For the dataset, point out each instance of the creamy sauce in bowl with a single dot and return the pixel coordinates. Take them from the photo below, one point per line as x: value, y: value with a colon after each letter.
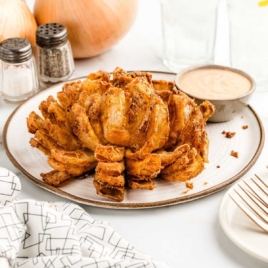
x: 213, y: 83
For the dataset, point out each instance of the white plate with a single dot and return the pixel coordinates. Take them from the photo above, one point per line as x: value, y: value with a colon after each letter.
x: 240, y: 229
x: 248, y: 143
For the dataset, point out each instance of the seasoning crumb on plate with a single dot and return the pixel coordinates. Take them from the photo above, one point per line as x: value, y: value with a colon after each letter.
x: 229, y: 134
x: 205, y: 183
x: 218, y: 166
x: 185, y: 192
x: 189, y: 185
x: 234, y: 154
x: 245, y: 127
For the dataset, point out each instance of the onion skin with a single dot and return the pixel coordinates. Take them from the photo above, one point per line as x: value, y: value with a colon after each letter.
x: 16, y: 20
x: 94, y: 26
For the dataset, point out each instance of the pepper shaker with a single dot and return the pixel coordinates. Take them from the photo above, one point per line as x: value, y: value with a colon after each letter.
x: 55, y: 61
x: 18, y: 75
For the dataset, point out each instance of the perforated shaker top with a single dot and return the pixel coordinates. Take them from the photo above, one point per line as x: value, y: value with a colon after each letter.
x: 51, y: 35
x: 15, y: 50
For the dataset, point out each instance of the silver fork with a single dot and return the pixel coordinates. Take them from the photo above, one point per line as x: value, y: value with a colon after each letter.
x: 251, y: 196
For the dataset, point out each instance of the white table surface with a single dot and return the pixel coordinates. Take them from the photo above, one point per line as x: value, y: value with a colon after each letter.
x: 184, y: 235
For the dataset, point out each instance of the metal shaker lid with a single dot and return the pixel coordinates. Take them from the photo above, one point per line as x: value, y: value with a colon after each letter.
x: 51, y: 35
x: 15, y: 50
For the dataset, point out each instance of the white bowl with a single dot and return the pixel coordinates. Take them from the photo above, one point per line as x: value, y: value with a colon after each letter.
x: 225, y: 108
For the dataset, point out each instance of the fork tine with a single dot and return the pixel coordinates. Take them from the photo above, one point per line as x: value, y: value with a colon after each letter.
x: 256, y: 201
x: 262, y: 180
x: 257, y: 182
x: 259, y: 203
x: 258, y: 194
x: 249, y: 213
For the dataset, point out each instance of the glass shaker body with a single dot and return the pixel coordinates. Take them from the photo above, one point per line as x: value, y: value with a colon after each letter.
x: 54, y: 56
x: 18, y: 74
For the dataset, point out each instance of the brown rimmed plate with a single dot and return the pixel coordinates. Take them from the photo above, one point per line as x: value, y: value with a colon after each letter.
x: 222, y: 170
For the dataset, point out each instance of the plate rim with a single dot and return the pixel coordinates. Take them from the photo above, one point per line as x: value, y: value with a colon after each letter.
x: 113, y: 205
x: 224, y: 201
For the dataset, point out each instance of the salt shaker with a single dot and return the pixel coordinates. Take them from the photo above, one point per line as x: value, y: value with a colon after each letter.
x: 18, y: 75
x: 55, y: 61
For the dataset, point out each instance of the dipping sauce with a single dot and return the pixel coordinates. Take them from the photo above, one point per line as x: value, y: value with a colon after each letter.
x: 214, y: 83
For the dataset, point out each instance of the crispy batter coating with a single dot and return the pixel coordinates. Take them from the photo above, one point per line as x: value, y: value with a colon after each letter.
x: 72, y: 169
x: 194, y: 134
x: 180, y: 110
x: 57, y: 114
x: 109, y: 153
x: 142, y: 153
x: 183, y: 169
x: 126, y: 127
x: 113, y: 117
x: 34, y: 122
x: 95, y: 86
x: 55, y: 177
x: 207, y: 109
x: 163, y: 85
x: 39, y: 146
x: 114, y: 193
x: 168, y: 158
x: 83, y: 158
x: 65, y: 139
x: 100, y: 75
x: 83, y: 129
x: 92, y: 105
x: 47, y: 141
x: 138, y: 139
x: 158, y: 129
x: 138, y: 94
x: 69, y: 94
x: 110, y: 168
x: 120, y: 77
x: 165, y: 95
x: 140, y: 184
x: 109, y: 179
x: 149, y: 167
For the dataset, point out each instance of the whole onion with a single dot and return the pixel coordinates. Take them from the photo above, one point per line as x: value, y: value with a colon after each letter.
x: 94, y: 26
x: 16, y: 20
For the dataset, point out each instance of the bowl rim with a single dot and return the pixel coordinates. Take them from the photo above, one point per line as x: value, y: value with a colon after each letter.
x: 215, y: 66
